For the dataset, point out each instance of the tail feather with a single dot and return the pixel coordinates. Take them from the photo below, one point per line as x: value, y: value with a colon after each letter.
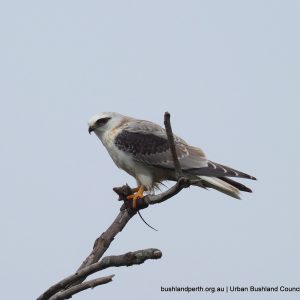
x: 236, y: 184
x: 216, y: 176
x: 220, y: 185
x: 218, y: 170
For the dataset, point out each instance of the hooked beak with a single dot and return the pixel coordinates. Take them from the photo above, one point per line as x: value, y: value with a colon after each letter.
x: 91, y: 129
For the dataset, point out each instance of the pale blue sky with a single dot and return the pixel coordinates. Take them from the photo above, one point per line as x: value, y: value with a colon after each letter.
x: 229, y: 73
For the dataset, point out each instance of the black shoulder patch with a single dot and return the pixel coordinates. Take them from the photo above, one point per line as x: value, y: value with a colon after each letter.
x: 141, y: 144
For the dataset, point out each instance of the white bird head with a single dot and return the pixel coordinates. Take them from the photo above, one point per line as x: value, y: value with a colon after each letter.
x: 104, y: 121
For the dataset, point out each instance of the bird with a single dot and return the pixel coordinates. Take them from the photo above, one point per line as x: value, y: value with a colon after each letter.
x: 141, y: 148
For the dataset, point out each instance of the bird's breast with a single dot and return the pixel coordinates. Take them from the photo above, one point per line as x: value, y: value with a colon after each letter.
x: 120, y: 158
x: 125, y: 161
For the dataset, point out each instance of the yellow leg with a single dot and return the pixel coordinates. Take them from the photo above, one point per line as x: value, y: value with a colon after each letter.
x: 138, y: 194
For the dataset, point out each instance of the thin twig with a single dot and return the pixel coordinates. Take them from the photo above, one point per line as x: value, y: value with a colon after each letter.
x: 81, y: 287
x: 172, y: 144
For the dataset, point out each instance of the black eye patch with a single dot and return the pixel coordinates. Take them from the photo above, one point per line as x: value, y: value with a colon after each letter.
x: 102, y: 121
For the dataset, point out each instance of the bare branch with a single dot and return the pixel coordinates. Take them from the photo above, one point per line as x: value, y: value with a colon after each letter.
x: 81, y: 287
x: 103, y: 242
x: 100, y: 246
x: 172, y: 144
x: 130, y: 258
x: 127, y: 259
x: 174, y: 190
x: 151, y: 199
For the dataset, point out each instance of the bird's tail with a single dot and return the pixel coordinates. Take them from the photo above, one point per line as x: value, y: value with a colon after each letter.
x: 216, y: 176
x: 219, y: 185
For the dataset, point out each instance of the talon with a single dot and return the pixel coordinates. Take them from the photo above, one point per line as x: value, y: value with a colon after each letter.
x: 138, y: 194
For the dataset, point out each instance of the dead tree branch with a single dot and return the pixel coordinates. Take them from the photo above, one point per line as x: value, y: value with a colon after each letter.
x: 81, y: 287
x: 128, y: 259
x: 103, y: 242
x: 76, y: 283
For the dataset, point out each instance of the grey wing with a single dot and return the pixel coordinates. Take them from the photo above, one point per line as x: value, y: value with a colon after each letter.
x: 147, y: 143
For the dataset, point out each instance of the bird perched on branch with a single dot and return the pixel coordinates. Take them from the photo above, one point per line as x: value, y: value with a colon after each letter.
x: 141, y: 148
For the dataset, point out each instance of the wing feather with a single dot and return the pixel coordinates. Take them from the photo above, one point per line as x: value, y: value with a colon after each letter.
x: 147, y: 143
